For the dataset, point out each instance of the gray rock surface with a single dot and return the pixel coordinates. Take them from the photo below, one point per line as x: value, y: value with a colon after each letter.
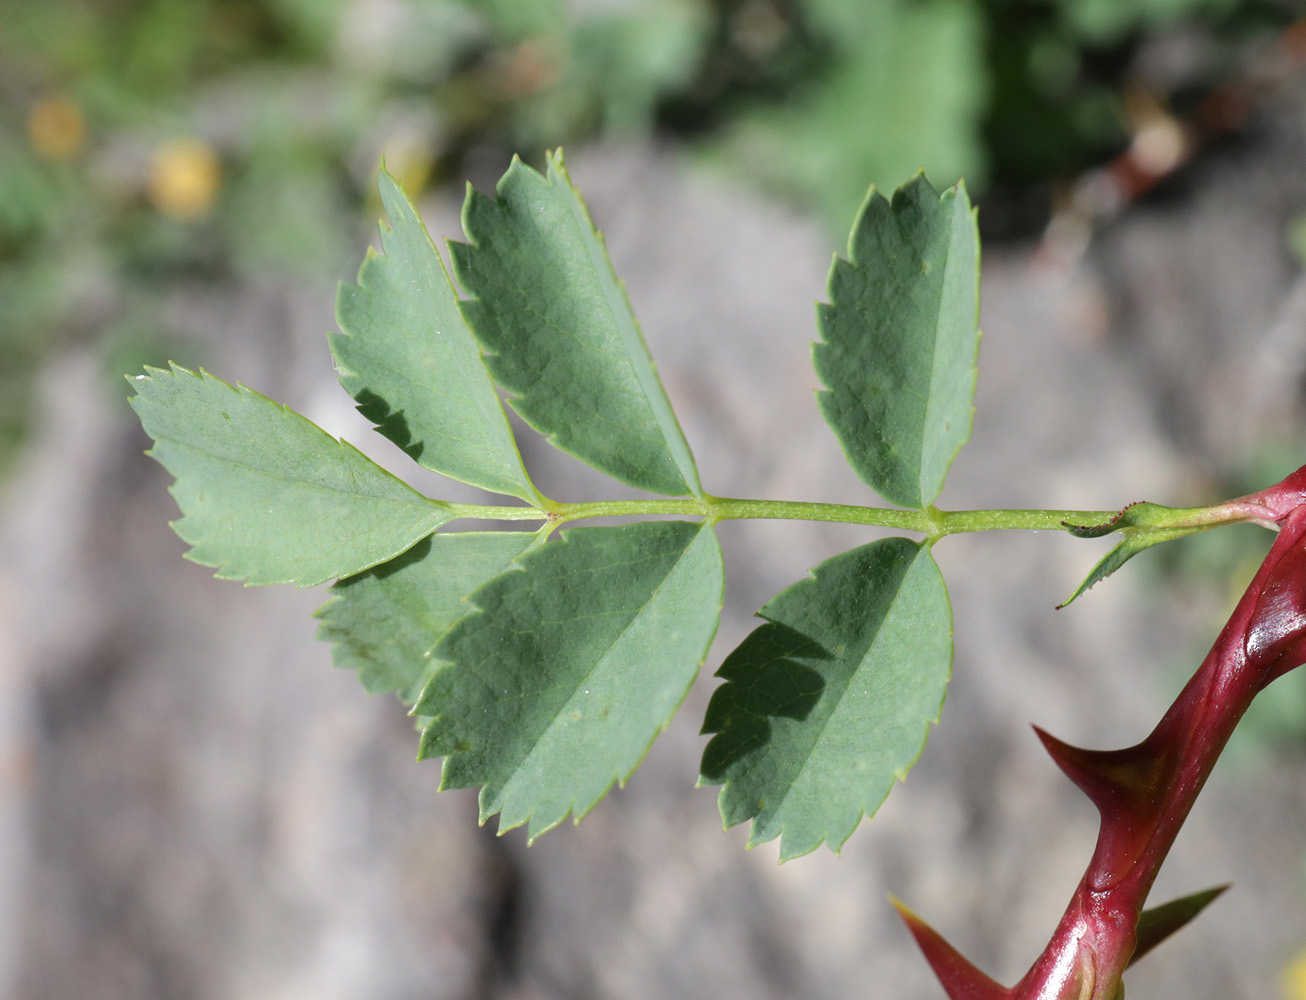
x: 193, y: 803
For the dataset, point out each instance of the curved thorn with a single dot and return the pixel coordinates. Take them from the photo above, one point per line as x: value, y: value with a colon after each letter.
x: 1115, y: 780
x: 960, y: 979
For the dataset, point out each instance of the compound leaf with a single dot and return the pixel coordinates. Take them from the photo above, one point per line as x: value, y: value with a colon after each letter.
x: 406, y: 356
x: 559, y: 333
x: 900, y: 338
x: 830, y: 701
x: 385, y: 621
x: 266, y: 495
x: 573, y: 664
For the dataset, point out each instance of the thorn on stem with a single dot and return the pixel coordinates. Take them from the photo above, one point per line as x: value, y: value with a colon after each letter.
x: 960, y: 979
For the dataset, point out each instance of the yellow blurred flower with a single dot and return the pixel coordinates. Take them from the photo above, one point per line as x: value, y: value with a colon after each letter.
x: 184, y: 178
x: 411, y: 169
x: 1294, y: 977
x: 56, y: 128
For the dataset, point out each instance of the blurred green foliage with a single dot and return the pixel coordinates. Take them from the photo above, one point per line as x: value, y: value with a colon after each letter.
x: 148, y: 146
x: 902, y: 85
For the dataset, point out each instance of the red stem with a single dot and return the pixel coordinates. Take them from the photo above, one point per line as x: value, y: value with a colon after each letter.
x: 1145, y: 792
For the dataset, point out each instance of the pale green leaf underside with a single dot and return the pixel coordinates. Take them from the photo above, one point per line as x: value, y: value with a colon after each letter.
x: 266, y: 495
x: 900, y: 338
x: 830, y: 702
x: 574, y: 664
x: 384, y: 622
x: 559, y: 333
x: 406, y: 356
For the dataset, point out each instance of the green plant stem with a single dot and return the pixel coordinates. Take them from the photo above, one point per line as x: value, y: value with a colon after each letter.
x: 932, y: 523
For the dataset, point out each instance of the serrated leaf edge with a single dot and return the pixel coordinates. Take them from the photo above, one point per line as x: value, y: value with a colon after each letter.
x: 958, y: 190
x: 756, y: 837
x: 519, y: 477
x: 957, y: 194
x: 632, y: 336
x: 321, y: 614
x: 1124, y: 550
x: 175, y: 370
x: 900, y: 772
x: 669, y: 434
x: 619, y: 779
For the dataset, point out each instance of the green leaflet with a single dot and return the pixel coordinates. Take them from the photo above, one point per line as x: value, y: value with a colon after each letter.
x: 267, y: 496
x: 900, y: 340
x: 574, y: 663
x: 384, y: 622
x: 559, y: 333
x: 828, y: 703
x: 406, y: 356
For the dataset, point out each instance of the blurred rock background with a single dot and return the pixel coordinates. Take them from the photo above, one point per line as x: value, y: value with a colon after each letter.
x: 194, y: 804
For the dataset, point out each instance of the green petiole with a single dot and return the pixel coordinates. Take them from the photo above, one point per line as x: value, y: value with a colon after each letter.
x: 932, y: 523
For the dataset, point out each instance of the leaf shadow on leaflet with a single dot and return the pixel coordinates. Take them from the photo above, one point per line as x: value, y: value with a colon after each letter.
x: 408, y: 557
x: 766, y: 680
x: 390, y: 422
